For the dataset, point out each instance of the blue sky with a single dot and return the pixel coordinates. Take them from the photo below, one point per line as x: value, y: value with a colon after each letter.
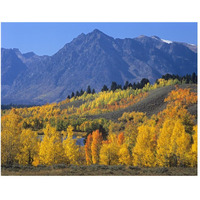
x: 48, y: 38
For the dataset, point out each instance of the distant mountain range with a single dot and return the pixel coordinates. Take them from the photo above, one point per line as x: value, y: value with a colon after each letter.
x: 91, y: 59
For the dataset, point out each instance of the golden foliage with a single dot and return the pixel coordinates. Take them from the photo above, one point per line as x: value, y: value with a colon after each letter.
x: 29, y: 147
x: 144, y: 151
x: 124, y: 155
x: 70, y: 148
x: 193, y: 151
x: 96, y: 146
x: 51, y: 149
x: 109, y: 151
x: 88, y: 151
x: 10, y: 137
x: 166, y: 139
x: 164, y: 142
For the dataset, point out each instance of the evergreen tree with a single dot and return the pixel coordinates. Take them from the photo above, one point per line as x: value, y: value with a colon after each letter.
x: 81, y: 92
x: 72, y: 95
x: 143, y: 82
x: 119, y: 87
x: 105, y: 88
x: 130, y: 85
x: 194, y: 78
x: 88, y: 89
x: 113, y: 86
x: 134, y: 86
x: 93, y: 91
x: 77, y: 94
x: 126, y: 85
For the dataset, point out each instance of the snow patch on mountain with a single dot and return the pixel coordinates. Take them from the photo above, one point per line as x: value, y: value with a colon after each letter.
x: 167, y: 41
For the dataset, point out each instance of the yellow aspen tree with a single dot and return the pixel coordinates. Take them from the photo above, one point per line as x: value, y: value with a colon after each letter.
x: 29, y: 147
x: 131, y: 133
x: 145, y: 149
x: 96, y: 146
x: 10, y: 137
x: 105, y: 154
x: 124, y: 155
x: 109, y: 151
x: 180, y: 144
x: 164, y: 142
x: 109, y: 154
x: 81, y: 157
x: 51, y: 149
x: 88, y: 151
x: 70, y: 148
x: 193, y: 151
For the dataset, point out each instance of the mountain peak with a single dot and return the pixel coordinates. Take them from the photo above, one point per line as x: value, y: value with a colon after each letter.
x: 97, y: 34
x: 97, y: 31
x: 91, y: 59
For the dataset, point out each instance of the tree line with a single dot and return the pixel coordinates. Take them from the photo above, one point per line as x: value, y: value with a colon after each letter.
x: 185, y: 79
x: 192, y: 79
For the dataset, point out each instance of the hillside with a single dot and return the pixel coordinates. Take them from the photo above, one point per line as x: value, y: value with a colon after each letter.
x: 143, y: 131
x: 91, y: 59
x: 152, y: 104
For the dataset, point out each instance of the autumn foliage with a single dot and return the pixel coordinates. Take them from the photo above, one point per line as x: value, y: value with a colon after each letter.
x: 47, y: 135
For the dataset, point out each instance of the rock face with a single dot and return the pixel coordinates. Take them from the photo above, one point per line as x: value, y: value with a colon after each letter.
x: 94, y: 59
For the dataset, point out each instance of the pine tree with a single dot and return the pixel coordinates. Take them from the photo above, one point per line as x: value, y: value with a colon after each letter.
x: 143, y: 82
x: 77, y: 94
x: 113, y: 86
x: 72, y: 95
x: 88, y: 89
x: 194, y: 78
x: 105, y: 88
x: 126, y: 85
x: 81, y: 92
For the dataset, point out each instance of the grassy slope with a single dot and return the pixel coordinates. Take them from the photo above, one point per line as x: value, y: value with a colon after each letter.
x: 97, y: 170
x: 152, y: 104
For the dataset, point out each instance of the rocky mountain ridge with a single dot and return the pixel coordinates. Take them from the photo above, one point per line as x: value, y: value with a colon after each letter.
x: 91, y: 59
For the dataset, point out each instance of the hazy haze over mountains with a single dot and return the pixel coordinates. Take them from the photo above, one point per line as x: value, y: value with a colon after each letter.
x: 93, y: 59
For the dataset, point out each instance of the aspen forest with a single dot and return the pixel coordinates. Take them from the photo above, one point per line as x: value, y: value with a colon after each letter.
x: 66, y: 134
